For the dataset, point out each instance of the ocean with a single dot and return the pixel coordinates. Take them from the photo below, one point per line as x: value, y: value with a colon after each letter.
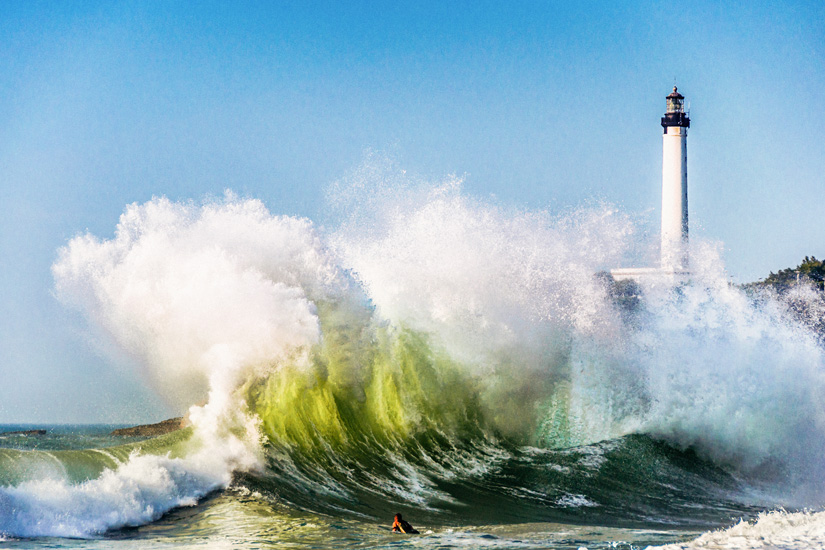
x: 435, y: 355
x: 633, y: 492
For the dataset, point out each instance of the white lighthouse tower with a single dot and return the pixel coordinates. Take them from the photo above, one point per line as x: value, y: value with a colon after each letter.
x: 674, y: 252
x: 674, y: 261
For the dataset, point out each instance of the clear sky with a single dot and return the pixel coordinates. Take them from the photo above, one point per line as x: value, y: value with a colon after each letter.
x: 541, y: 104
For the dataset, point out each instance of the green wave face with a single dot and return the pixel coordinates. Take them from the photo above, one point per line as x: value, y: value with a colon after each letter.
x: 372, y: 384
x: 367, y: 385
x: 371, y: 388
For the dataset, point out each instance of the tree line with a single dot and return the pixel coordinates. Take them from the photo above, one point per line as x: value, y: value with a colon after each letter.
x: 810, y: 272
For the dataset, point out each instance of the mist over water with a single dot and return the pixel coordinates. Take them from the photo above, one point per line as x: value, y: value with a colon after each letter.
x: 427, y: 340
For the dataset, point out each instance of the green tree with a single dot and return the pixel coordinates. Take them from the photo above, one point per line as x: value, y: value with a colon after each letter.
x: 811, y: 271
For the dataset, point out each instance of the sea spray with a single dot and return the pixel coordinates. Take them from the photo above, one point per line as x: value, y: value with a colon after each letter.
x: 192, y: 293
x: 510, y: 296
x: 483, y: 279
x: 199, y: 291
x: 436, y: 351
x: 739, y: 380
x: 514, y: 298
x: 505, y: 292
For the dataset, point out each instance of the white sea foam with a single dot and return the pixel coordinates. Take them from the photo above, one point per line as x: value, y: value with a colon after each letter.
x: 741, y: 382
x: 777, y: 529
x: 139, y: 490
x: 575, y: 501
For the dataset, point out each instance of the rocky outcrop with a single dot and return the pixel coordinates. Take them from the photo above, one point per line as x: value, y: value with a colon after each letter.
x: 151, y: 430
x: 25, y: 432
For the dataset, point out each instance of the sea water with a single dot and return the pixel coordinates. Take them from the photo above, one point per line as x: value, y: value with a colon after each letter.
x: 435, y: 355
x: 241, y: 516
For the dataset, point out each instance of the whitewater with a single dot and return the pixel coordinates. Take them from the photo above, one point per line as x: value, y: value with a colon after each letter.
x: 468, y: 364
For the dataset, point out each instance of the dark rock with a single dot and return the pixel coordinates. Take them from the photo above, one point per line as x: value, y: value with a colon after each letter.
x: 26, y: 432
x: 152, y: 429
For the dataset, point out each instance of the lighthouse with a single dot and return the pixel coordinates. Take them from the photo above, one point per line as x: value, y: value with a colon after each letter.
x: 674, y: 251
x: 674, y: 258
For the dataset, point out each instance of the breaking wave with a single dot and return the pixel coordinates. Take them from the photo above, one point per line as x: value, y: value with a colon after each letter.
x: 433, y: 352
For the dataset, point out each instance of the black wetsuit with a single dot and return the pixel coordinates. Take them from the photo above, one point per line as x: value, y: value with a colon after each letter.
x: 402, y: 526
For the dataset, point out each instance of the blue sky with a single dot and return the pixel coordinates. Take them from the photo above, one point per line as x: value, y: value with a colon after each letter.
x: 541, y: 104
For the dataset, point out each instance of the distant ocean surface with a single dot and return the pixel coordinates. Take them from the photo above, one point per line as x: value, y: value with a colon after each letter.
x: 435, y: 355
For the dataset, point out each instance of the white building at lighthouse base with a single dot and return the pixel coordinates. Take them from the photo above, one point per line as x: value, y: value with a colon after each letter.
x: 648, y: 274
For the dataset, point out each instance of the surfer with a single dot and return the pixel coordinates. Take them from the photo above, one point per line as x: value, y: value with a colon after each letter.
x: 401, y: 526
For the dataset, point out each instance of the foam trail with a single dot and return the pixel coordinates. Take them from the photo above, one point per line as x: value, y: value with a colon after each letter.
x: 139, y: 491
